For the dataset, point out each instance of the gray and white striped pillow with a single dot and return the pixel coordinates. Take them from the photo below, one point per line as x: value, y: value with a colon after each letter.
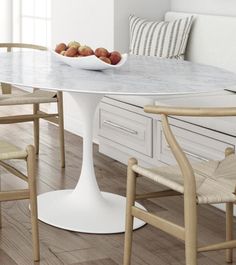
x: 162, y: 39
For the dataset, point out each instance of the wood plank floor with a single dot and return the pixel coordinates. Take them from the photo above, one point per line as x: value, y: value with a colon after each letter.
x: 59, y: 247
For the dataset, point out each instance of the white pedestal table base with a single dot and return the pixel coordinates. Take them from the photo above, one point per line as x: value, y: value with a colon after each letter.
x: 85, y: 209
x: 61, y: 209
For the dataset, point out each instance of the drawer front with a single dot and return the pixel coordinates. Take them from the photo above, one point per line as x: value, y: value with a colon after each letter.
x: 126, y: 128
x: 196, y: 146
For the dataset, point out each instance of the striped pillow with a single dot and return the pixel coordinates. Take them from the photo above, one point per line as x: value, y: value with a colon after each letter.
x: 162, y: 39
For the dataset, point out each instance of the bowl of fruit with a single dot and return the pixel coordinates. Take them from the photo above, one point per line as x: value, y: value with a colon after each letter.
x: 84, y: 57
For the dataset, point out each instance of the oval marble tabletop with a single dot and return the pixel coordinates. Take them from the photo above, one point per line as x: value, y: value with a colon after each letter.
x: 139, y: 76
x: 85, y: 208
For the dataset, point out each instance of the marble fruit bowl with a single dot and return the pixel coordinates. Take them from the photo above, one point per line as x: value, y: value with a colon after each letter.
x: 89, y: 62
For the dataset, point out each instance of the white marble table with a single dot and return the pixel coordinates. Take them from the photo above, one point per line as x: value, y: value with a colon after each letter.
x: 86, y: 208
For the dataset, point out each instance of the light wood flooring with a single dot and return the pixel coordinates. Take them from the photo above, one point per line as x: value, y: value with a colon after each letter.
x: 59, y: 247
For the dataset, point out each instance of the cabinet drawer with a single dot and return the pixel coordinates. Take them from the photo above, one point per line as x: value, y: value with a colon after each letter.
x: 126, y: 128
x: 196, y: 146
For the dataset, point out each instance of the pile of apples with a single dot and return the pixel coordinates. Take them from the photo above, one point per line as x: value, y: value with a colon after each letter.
x: 75, y: 49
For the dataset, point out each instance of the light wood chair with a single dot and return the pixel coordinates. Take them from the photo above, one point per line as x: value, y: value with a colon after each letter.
x: 35, y: 98
x: 205, y: 182
x: 9, y: 152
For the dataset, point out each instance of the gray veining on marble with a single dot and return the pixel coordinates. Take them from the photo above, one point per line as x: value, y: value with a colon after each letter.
x: 139, y: 76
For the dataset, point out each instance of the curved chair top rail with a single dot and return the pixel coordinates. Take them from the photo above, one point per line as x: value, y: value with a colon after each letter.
x: 10, y: 46
x: 197, y: 112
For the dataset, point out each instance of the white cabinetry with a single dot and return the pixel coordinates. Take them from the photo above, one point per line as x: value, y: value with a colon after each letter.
x: 125, y: 131
x: 198, y: 143
x: 125, y: 128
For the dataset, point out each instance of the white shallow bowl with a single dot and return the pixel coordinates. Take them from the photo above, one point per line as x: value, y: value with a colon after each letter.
x: 89, y: 62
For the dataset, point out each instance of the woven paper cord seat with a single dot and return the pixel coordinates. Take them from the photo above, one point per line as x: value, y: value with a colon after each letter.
x: 215, y: 180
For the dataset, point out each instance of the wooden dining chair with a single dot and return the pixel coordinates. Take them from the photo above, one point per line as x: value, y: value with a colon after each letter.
x: 35, y: 98
x: 207, y: 182
x: 9, y: 152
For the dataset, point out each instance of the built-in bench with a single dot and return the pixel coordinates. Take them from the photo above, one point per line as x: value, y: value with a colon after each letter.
x: 212, y: 41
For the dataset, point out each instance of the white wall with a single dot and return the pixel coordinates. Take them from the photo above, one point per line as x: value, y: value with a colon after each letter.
x: 152, y: 9
x: 86, y: 21
x: 5, y: 20
x: 217, y: 7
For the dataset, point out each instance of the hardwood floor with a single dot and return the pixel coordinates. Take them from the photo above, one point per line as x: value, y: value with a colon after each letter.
x: 59, y: 247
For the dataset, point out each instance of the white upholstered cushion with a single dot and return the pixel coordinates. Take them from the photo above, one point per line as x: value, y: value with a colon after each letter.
x: 162, y: 39
x: 212, y: 40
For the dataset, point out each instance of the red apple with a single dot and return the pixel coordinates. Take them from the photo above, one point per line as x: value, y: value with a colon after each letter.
x: 85, y: 51
x: 60, y: 47
x: 102, y: 52
x: 71, y: 52
x: 115, y: 57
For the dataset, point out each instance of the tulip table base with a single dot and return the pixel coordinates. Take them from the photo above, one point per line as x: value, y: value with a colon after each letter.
x: 106, y: 216
x: 85, y: 209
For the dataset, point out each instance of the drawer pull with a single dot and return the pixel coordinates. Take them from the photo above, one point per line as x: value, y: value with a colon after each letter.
x: 193, y: 155
x: 117, y: 126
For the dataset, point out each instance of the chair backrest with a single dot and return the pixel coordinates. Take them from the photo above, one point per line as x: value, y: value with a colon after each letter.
x: 181, y: 158
x: 212, y: 39
x: 6, y: 88
x: 10, y: 46
x: 191, y: 112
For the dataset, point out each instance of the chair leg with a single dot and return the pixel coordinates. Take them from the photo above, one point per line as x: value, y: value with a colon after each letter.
x: 131, y: 187
x: 229, y: 230
x: 0, y: 215
x: 0, y: 203
x: 190, y: 212
x: 61, y: 127
x: 36, y: 128
x: 33, y: 201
